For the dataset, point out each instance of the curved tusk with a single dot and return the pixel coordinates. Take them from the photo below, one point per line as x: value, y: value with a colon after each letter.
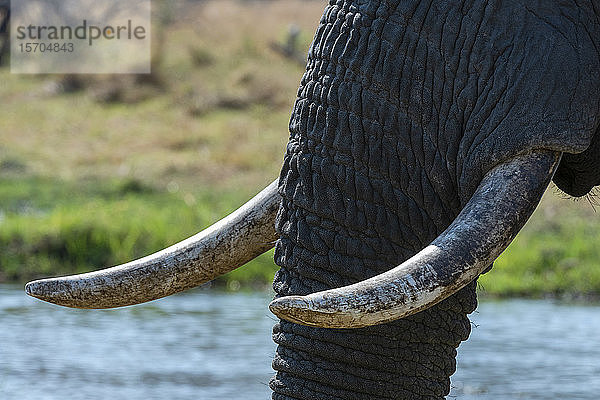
x: 221, y: 248
x: 503, y: 202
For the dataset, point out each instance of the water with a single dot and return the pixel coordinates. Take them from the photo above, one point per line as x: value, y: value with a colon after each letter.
x: 208, y: 345
x: 523, y: 349
x: 201, y: 345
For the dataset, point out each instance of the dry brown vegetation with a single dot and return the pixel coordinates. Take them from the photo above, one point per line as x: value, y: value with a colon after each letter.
x: 215, y: 113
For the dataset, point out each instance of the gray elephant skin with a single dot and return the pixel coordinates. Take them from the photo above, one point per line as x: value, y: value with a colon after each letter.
x: 406, y: 108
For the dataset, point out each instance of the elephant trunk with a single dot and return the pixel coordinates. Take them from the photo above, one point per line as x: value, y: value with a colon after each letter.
x: 407, y: 358
x: 411, y: 358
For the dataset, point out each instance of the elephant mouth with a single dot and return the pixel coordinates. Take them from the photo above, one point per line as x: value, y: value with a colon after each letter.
x: 502, y: 203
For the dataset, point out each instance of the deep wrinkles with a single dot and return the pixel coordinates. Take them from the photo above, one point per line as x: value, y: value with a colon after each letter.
x: 381, y: 384
x: 371, y: 195
x: 403, y: 108
x: 415, y: 356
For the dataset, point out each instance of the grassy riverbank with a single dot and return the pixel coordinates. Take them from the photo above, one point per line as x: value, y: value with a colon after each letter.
x: 556, y: 254
x: 51, y: 227
x: 56, y: 227
x: 98, y: 170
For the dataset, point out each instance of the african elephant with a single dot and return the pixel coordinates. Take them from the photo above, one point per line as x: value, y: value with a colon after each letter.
x: 422, y: 138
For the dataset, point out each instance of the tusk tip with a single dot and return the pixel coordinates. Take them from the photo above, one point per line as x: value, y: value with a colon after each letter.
x: 305, y: 310
x: 292, y: 308
x: 321, y: 312
x: 45, y: 289
x: 33, y: 289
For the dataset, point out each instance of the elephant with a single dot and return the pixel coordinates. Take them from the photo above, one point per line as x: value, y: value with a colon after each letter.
x: 423, y: 136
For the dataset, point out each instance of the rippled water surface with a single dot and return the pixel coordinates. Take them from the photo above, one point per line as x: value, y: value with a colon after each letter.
x: 210, y: 345
x: 525, y: 349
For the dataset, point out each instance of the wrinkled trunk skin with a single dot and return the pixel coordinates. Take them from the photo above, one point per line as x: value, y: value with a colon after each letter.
x: 403, y: 108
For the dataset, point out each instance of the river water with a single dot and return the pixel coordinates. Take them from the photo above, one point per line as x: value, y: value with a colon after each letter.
x: 210, y: 345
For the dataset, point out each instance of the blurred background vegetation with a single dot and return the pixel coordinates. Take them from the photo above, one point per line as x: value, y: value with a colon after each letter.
x: 98, y: 170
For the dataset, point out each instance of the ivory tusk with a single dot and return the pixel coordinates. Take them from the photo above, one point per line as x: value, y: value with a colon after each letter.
x: 221, y: 248
x: 503, y: 202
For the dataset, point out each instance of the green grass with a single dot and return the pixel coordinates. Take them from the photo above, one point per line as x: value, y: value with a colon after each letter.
x: 51, y: 228
x: 556, y: 254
